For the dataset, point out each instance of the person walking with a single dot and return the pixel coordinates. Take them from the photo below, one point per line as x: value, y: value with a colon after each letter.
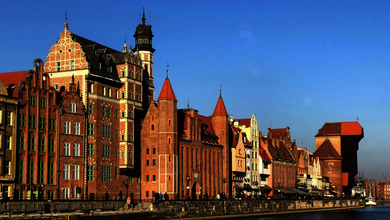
x: 128, y: 202
x: 132, y: 203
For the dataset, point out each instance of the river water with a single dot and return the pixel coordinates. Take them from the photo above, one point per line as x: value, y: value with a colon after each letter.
x: 381, y: 212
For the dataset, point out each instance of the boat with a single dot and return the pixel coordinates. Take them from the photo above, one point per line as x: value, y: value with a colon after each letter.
x: 370, y: 202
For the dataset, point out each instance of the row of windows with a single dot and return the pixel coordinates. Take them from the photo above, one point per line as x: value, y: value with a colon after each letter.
x: 32, y: 123
x: 71, y: 66
x: 8, y: 117
x: 137, y: 76
x: 31, y: 144
x: 147, y: 150
x: 41, y: 172
x: 154, y: 163
x: 76, y: 150
x: 76, y: 127
x: 143, y: 41
x: 153, y: 178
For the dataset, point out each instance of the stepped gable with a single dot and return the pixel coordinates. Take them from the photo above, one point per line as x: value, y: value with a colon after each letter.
x: 167, y: 93
x: 327, y: 151
x: 11, y: 79
x: 246, y: 122
x: 220, y: 109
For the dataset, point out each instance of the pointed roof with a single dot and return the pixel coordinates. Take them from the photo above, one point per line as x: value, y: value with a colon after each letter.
x: 327, y: 151
x: 220, y: 109
x: 167, y: 93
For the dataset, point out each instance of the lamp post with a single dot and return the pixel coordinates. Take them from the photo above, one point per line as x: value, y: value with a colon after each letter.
x: 188, y: 187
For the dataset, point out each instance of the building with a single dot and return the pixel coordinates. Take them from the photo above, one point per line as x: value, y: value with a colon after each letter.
x: 8, y: 138
x: 338, y: 144
x: 182, y: 151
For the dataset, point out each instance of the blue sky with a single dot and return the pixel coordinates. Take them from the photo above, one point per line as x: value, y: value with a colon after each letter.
x: 291, y: 63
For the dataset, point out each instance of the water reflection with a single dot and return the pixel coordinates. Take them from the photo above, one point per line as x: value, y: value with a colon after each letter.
x: 381, y: 212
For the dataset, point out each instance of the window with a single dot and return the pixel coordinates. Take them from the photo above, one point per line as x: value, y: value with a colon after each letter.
x: 7, y: 168
x: 91, y: 149
x: 66, y: 149
x: 154, y: 162
x: 109, y: 92
x: 33, y: 121
x: 108, y: 112
x: 76, y: 128
x: 91, y: 129
x: 42, y: 145
x: 147, y: 162
x: 104, y: 111
x: 76, y: 150
x: 145, y: 41
x: 32, y: 144
x: 33, y: 100
x: 52, y: 124
x: 117, y: 94
x: 21, y: 143
x: 58, y: 66
x: 42, y: 102
x: 66, y: 127
x: 104, y: 91
x: 65, y: 193
x: 73, y: 108
x: 138, y: 98
x: 9, y: 118
x: 139, y: 41
x: 154, y: 150
x: 122, y: 155
x: 22, y: 120
x: 75, y: 172
x: 123, y: 95
x: 90, y: 109
x: 51, y: 173
x: 8, y: 142
x: 147, y: 178
x: 147, y: 150
x: 239, y: 151
x: 147, y: 193
x: 21, y: 171
x: 123, y: 114
x: 31, y: 172
x: 51, y: 146
x: 90, y: 173
x: 116, y: 113
x: 65, y: 172
x: 123, y: 73
x: 116, y: 134
x: 41, y: 173
x: 71, y: 64
x: 152, y: 127
x: 122, y: 137
x: 106, y: 131
x: 106, y: 173
x: 106, y: 151
x: 56, y: 87
x: 154, y: 178
x: 75, y: 193
x: 90, y: 87
x: 42, y: 123
x: 100, y: 65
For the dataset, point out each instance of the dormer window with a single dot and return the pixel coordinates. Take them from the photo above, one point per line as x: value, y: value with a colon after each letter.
x: 73, y: 107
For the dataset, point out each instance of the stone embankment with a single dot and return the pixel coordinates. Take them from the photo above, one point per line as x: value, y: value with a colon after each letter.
x: 185, y: 209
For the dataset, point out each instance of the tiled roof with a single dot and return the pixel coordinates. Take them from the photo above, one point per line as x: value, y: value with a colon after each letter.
x: 207, y: 126
x: 167, y: 93
x: 278, y: 133
x: 264, y: 155
x: 327, y: 151
x: 340, y: 128
x: 246, y: 122
x: 13, y: 78
x: 220, y: 109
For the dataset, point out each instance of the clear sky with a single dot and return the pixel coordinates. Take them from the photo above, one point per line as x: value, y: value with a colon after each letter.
x: 291, y: 63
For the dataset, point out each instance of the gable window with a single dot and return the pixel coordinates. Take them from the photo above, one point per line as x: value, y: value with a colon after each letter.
x: 73, y: 107
x: 71, y: 64
x: 58, y: 66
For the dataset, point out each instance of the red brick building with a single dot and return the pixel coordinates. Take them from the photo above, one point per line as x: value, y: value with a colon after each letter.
x: 182, y: 154
x: 343, y: 138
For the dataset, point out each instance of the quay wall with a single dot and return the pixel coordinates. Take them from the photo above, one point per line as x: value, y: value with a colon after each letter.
x: 199, y: 208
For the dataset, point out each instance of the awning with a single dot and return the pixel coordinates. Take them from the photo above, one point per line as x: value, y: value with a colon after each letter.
x: 265, y: 188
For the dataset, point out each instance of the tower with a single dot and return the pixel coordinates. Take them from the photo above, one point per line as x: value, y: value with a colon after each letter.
x: 220, y: 119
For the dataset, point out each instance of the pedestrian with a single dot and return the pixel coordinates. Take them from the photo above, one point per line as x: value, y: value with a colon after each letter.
x: 128, y: 202
x: 206, y: 196
x: 156, y: 197
x: 246, y: 196
x: 132, y: 203
x: 166, y: 196
x: 161, y: 196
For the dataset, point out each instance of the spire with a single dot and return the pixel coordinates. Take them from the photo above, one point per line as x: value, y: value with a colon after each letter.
x: 220, y: 91
x: 130, y: 49
x: 124, y: 46
x: 143, y: 17
x: 66, y: 19
x: 167, y: 70
x: 167, y: 93
x: 220, y: 109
